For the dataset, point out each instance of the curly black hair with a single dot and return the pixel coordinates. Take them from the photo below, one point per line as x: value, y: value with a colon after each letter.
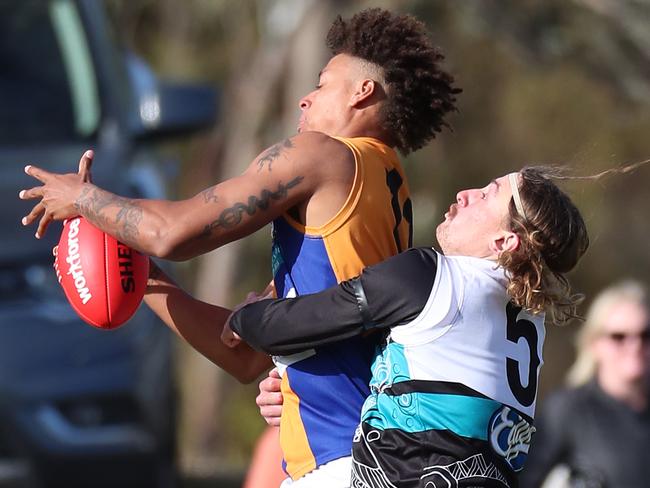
x: 419, y: 92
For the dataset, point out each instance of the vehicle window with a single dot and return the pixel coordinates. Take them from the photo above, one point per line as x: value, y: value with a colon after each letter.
x: 48, y: 90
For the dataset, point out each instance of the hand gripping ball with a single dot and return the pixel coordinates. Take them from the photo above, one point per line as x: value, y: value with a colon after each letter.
x: 103, y: 279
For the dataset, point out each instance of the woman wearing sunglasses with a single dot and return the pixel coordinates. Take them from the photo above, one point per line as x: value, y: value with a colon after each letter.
x: 599, y: 430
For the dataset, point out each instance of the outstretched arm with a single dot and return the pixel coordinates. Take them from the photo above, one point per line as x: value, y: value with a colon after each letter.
x: 385, y: 295
x: 200, y: 324
x: 281, y: 177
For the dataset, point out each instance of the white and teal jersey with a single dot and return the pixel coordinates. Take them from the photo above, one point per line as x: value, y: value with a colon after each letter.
x: 454, y: 380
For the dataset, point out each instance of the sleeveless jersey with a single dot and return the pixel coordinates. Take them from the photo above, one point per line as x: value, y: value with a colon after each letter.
x: 374, y: 223
x: 461, y: 379
x: 454, y: 382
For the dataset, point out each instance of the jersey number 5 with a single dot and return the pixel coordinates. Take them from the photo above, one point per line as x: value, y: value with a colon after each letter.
x: 517, y: 329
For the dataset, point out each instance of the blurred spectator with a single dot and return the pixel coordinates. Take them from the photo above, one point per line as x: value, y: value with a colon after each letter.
x: 598, y: 430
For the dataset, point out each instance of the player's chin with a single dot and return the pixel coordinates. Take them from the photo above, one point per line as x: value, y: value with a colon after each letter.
x: 303, y: 125
x: 442, y: 226
x: 441, y: 233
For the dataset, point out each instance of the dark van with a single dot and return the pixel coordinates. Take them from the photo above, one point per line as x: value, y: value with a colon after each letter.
x: 80, y: 406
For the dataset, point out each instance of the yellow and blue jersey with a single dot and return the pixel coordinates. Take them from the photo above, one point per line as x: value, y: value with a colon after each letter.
x: 324, y: 389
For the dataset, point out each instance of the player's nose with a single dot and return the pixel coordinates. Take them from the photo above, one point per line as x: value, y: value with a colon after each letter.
x: 462, y: 198
x: 305, y: 102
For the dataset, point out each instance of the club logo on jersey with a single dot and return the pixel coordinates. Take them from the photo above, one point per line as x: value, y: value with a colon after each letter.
x: 510, y: 435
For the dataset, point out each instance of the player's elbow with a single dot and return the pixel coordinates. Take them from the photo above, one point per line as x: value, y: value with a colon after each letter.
x: 247, y: 374
x: 247, y: 377
x: 251, y: 369
x: 161, y: 248
x: 166, y: 245
x: 169, y: 253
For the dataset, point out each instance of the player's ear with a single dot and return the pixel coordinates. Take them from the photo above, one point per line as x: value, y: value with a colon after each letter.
x: 364, y: 90
x: 504, y: 241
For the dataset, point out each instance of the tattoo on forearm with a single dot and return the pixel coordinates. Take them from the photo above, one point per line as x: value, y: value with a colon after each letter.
x: 92, y: 202
x: 130, y: 217
x: 232, y: 216
x: 209, y: 195
x: 273, y: 153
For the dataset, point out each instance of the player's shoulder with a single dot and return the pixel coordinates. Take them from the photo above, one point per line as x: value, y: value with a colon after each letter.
x: 321, y: 146
x: 315, y: 137
x: 323, y: 157
x: 409, y: 264
x: 479, y: 269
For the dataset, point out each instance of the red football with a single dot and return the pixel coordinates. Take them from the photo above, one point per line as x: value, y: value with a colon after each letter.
x: 103, y: 279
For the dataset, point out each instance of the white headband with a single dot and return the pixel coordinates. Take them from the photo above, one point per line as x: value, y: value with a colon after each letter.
x: 514, y: 185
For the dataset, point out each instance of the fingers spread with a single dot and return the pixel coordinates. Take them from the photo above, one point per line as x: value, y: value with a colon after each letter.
x: 42, y: 225
x: 35, y: 192
x: 38, y: 173
x: 38, y: 209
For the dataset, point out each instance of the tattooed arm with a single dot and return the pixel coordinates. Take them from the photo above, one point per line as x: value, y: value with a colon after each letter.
x: 200, y: 324
x: 308, y: 168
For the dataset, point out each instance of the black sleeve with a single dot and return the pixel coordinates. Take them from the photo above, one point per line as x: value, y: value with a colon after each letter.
x: 390, y: 293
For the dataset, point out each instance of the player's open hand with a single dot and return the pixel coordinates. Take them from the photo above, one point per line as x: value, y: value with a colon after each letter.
x: 57, y: 194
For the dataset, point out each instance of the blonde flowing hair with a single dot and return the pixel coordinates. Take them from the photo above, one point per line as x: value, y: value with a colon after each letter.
x: 553, y: 237
x: 584, y: 366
